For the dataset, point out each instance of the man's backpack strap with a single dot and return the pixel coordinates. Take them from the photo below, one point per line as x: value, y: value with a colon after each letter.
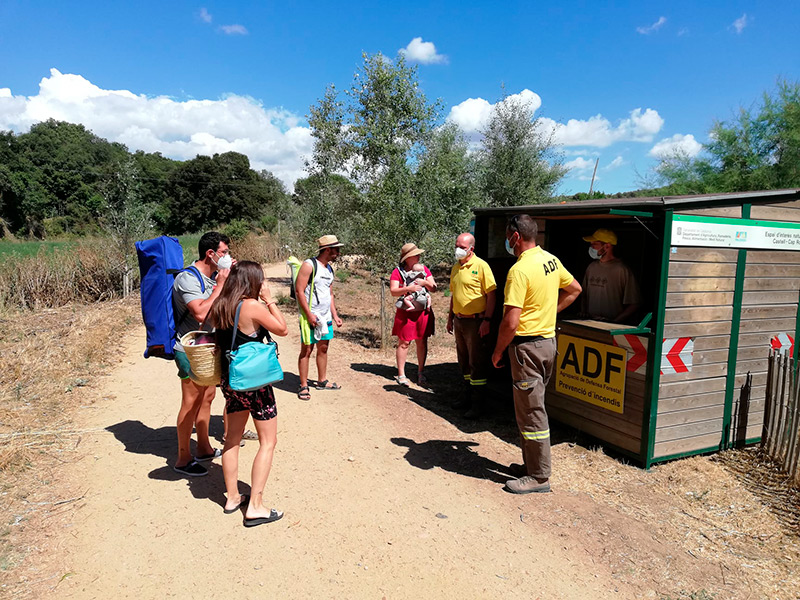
x: 196, y: 272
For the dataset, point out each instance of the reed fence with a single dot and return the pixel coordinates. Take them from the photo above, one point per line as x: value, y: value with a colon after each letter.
x: 782, y: 416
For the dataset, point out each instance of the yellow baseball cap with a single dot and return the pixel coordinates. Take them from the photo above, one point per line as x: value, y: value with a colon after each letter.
x: 602, y: 235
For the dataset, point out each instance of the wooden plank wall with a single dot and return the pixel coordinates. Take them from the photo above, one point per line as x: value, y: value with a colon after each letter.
x: 700, y: 305
x: 771, y: 290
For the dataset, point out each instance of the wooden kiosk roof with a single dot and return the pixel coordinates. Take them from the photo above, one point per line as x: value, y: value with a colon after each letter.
x: 647, y: 204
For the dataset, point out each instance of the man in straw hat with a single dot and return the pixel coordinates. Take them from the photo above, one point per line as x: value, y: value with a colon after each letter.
x: 611, y: 292
x: 537, y: 287
x: 317, y: 314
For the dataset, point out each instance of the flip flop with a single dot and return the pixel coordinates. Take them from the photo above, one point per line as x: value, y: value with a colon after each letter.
x: 242, y: 502
x: 303, y: 393
x: 206, y: 457
x: 402, y: 380
x: 274, y: 515
x: 326, y: 385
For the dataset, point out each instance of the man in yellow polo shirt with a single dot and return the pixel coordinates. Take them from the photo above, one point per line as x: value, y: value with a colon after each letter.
x: 538, y: 286
x: 472, y: 299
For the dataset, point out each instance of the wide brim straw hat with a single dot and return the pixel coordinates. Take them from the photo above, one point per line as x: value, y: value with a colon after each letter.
x: 329, y: 241
x: 409, y: 250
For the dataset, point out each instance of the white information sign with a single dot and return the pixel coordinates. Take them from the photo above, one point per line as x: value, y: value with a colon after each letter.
x: 733, y: 233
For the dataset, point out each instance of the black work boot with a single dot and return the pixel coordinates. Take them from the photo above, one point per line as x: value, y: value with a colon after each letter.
x: 476, y: 409
x: 464, y: 400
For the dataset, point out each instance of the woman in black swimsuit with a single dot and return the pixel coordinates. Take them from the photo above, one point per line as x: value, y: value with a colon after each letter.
x: 246, y: 284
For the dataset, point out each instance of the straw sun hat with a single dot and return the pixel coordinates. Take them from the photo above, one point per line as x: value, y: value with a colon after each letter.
x: 409, y: 250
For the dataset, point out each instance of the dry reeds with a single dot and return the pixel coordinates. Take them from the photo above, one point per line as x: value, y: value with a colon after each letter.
x: 265, y: 248
x: 82, y: 273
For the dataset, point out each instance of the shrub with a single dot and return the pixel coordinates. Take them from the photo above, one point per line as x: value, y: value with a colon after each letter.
x: 237, y: 230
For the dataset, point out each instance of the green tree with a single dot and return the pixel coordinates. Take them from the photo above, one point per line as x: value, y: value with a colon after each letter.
x: 127, y: 218
x: 519, y: 159
x: 376, y: 136
x: 446, y: 190
x: 208, y: 191
x: 758, y: 149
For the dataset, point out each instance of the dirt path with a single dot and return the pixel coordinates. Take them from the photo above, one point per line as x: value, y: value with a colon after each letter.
x: 383, y: 499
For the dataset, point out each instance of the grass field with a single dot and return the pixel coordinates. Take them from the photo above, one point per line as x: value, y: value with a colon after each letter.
x: 32, y: 248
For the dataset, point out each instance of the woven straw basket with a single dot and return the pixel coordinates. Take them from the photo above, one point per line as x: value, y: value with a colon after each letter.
x: 203, y: 358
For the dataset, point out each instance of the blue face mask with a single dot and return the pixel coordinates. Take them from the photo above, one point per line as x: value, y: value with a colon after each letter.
x: 510, y: 248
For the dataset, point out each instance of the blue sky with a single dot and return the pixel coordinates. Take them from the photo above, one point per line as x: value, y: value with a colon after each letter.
x: 621, y: 83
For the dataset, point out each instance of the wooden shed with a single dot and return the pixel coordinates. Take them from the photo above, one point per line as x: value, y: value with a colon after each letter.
x: 720, y: 280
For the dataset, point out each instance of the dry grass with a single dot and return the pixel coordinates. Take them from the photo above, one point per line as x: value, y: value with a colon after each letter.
x: 83, y: 273
x: 727, y: 509
x: 48, y: 356
x: 265, y: 248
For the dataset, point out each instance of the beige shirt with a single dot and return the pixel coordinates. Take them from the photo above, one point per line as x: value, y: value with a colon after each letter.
x: 607, y: 288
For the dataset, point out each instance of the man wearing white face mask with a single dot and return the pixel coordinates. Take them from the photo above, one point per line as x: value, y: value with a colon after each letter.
x: 610, y: 289
x: 472, y: 300
x: 192, y: 299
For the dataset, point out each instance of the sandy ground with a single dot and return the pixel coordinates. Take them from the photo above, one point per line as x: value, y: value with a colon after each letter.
x: 387, y: 494
x: 382, y: 500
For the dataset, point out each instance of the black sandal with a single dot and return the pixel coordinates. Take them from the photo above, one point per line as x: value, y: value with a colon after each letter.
x: 324, y: 385
x: 303, y: 393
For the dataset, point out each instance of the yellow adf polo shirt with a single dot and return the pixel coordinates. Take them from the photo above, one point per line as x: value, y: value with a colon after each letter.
x: 469, y: 284
x: 532, y: 285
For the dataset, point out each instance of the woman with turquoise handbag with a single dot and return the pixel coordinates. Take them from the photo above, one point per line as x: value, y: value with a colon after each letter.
x: 242, y: 323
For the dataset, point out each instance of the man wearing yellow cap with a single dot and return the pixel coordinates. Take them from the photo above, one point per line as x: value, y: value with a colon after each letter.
x: 610, y: 291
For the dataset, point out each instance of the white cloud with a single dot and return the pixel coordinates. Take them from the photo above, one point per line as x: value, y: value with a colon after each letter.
x: 422, y: 52
x: 640, y: 126
x: 614, y: 164
x: 740, y: 23
x: 473, y: 114
x: 205, y: 16
x: 683, y: 31
x: 654, y: 27
x: 273, y: 139
x: 234, y: 29
x: 580, y: 164
x: 683, y: 145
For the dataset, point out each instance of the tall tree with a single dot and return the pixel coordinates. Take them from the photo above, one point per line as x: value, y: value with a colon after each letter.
x: 519, y: 159
x: 759, y: 148
x: 127, y: 217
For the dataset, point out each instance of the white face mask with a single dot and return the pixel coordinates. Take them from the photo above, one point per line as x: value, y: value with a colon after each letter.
x: 461, y: 253
x: 594, y: 253
x: 225, y: 262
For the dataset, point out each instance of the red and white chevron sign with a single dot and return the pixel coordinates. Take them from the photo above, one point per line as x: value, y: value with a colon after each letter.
x: 637, y: 352
x: 783, y: 342
x: 676, y: 355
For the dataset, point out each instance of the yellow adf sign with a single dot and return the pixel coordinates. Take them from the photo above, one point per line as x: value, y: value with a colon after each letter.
x: 591, y: 371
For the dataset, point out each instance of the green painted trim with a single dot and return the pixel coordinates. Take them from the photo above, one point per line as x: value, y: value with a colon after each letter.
x: 629, y: 213
x: 685, y: 454
x: 634, y: 331
x: 653, y: 377
x: 743, y: 221
x: 733, y: 346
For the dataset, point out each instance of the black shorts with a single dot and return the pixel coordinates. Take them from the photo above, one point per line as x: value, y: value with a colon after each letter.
x: 260, y: 403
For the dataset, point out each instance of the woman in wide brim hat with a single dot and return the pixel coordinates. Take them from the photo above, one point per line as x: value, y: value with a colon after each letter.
x: 416, y: 326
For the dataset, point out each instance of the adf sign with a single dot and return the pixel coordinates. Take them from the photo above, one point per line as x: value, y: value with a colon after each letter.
x: 591, y: 371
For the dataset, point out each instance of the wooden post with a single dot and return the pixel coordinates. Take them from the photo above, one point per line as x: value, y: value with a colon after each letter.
x: 383, y: 314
